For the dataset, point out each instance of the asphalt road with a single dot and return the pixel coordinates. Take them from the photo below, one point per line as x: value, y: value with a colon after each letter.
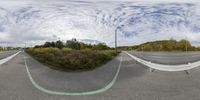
x: 170, y: 58
x: 4, y: 54
x: 134, y: 81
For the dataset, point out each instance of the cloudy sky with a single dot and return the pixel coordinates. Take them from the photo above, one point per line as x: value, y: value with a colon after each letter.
x: 35, y: 21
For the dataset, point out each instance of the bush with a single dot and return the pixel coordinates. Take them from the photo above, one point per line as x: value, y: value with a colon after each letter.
x: 71, y: 60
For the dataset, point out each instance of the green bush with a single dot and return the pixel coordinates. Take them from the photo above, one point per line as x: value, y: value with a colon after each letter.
x: 71, y: 60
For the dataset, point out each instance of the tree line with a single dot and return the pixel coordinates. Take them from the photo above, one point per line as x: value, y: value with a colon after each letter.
x: 74, y: 44
x: 163, y: 45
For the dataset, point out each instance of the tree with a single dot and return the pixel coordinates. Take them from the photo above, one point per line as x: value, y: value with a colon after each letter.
x: 38, y: 46
x: 59, y: 44
x: 184, y: 45
x: 147, y: 47
x: 164, y: 45
x: 84, y: 46
x: 74, y: 44
x: 47, y: 44
x: 100, y: 46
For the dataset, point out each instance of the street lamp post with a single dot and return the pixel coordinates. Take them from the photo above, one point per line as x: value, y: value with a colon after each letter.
x: 186, y: 45
x: 119, y: 27
x: 116, y: 39
x: 25, y: 44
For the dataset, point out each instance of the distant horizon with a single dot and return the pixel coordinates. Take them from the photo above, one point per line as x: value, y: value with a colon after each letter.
x: 88, y: 41
x: 135, y: 22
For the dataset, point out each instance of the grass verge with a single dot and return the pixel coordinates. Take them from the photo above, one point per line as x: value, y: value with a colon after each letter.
x: 71, y: 60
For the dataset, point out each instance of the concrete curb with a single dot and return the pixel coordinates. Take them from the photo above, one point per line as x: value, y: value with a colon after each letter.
x: 162, y: 67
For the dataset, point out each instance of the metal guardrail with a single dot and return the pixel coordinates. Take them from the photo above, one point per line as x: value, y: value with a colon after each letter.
x: 163, y: 67
x: 2, y: 61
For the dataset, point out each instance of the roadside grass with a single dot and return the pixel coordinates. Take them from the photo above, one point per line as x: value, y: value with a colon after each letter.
x: 66, y: 59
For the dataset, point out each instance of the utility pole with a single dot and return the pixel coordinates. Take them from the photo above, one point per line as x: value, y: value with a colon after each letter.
x: 116, y: 39
x: 142, y: 47
x: 186, y: 49
x: 159, y: 47
x: 25, y: 45
x: 119, y: 27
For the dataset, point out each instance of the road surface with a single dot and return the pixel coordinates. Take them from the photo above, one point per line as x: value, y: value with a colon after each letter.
x: 4, y: 54
x: 134, y: 81
x: 173, y: 58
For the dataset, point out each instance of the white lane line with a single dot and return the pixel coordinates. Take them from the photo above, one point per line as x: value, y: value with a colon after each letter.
x: 2, y: 61
x: 73, y: 93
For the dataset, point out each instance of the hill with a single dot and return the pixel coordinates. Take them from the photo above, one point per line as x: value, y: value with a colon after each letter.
x: 163, y: 45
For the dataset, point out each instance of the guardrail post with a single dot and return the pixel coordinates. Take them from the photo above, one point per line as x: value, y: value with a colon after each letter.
x: 151, y: 69
x: 187, y: 72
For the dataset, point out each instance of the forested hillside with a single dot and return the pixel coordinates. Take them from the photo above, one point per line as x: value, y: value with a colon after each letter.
x: 163, y: 45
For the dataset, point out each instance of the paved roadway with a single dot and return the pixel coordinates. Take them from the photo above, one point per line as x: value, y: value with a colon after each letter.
x: 134, y: 81
x: 4, y: 54
x: 173, y: 58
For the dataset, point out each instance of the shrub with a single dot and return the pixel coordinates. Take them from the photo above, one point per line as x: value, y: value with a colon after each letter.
x: 71, y: 60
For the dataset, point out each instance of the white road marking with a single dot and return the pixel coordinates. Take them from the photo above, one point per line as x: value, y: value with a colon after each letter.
x: 73, y: 93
